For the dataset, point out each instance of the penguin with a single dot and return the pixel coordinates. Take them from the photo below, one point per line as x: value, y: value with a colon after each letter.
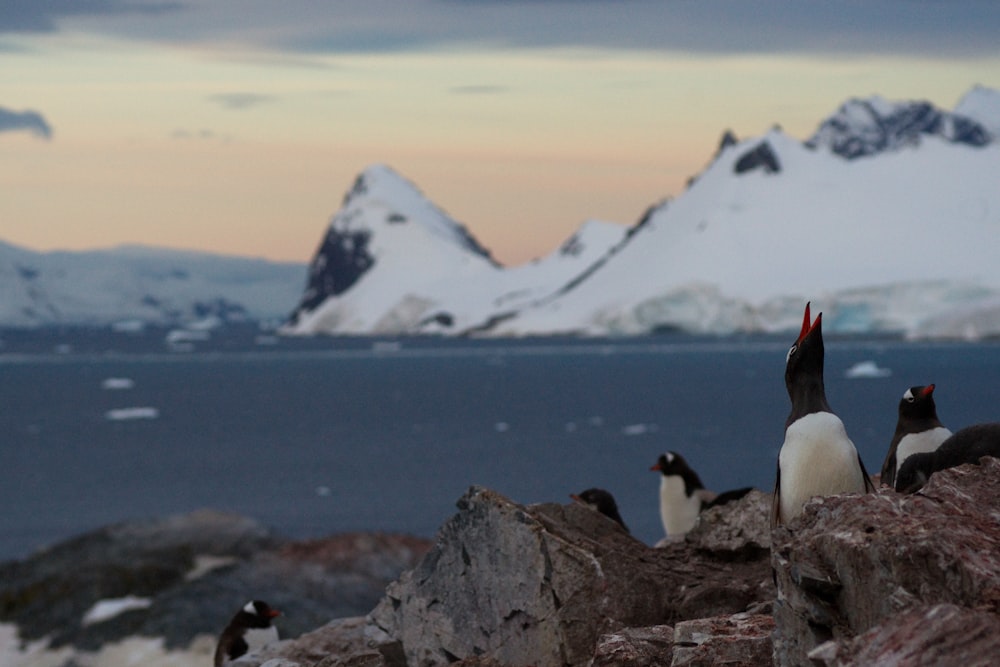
x: 918, y: 429
x: 601, y: 501
x: 967, y: 445
x: 683, y: 496
x: 248, y: 631
x: 817, y: 457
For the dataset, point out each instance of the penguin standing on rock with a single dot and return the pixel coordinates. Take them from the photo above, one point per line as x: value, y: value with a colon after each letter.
x: 248, y: 631
x: 683, y: 496
x: 917, y: 430
x: 817, y: 458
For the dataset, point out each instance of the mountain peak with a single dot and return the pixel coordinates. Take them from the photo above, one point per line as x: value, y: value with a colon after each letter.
x: 863, y: 127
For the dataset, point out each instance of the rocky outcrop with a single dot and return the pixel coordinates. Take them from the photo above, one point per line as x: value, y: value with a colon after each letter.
x: 553, y: 585
x: 857, y: 565
x: 176, y: 582
x: 871, y: 579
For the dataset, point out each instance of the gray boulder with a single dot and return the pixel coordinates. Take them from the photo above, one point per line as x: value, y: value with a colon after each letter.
x: 541, y: 584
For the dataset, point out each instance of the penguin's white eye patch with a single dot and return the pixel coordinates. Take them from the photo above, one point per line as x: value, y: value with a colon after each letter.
x: 249, y: 608
x: 791, y: 351
x: 908, y: 396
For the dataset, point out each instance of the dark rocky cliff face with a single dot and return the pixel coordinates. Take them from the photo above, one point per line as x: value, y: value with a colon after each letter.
x: 862, y: 128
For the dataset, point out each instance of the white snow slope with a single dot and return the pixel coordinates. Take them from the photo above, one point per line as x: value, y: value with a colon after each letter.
x: 903, y: 240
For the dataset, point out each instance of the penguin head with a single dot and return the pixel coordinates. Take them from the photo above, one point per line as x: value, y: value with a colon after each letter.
x: 601, y: 501
x: 673, y: 464
x: 805, y: 356
x: 917, y: 403
x: 257, y: 614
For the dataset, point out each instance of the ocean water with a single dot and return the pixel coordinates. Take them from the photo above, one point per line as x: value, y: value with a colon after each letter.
x: 323, y: 436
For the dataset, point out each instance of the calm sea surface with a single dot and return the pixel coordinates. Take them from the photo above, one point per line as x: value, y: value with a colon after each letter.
x: 324, y: 436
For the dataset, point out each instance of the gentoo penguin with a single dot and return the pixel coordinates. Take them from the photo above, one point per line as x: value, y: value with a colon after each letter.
x: 918, y: 429
x: 683, y: 496
x: 602, y: 501
x: 967, y: 445
x: 248, y: 631
x: 817, y: 458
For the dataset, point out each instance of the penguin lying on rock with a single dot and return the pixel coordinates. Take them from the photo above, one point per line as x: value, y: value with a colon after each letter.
x: 817, y: 458
x: 967, y: 445
x: 601, y: 501
x: 918, y: 429
x: 683, y: 496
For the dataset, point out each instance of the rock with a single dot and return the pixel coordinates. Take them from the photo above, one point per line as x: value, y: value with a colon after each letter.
x: 853, y: 563
x: 346, y: 642
x: 739, y: 640
x: 737, y: 529
x: 541, y: 584
x: 635, y: 647
x: 943, y: 634
x: 183, y: 577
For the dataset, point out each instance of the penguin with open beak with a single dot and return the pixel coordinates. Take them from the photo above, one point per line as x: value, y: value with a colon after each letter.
x: 817, y: 457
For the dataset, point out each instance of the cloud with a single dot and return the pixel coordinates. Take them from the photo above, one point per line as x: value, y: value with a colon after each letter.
x: 240, y: 100
x: 853, y: 28
x: 25, y: 121
x: 44, y: 15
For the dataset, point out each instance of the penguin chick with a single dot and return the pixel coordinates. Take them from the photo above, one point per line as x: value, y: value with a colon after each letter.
x: 967, y: 445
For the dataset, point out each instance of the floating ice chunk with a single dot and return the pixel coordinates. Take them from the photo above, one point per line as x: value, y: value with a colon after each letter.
x: 176, y: 336
x: 323, y: 491
x: 125, y: 414
x: 866, y: 369
x: 640, y: 429
x: 106, y: 609
x: 501, y: 427
x: 117, y: 383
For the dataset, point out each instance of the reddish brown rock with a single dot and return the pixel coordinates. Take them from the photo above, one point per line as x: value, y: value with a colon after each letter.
x: 852, y: 563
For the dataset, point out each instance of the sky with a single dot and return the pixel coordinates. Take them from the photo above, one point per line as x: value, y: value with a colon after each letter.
x: 236, y: 126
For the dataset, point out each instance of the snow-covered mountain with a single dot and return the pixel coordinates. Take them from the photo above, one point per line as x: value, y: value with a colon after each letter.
x: 393, y: 262
x: 141, y: 284
x: 887, y: 218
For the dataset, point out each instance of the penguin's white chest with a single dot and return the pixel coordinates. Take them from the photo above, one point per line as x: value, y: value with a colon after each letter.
x: 678, y: 511
x: 918, y: 443
x: 816, y: 459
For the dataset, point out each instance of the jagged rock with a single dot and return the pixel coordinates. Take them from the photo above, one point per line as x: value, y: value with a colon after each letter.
x: 852, y: 563
x: 943, y: 634
x: 739, y: 528
x: 762, y: 157
x: 345, y: 642
x: 636, y: 647
x: 540, y: 584
x: 737, y: 640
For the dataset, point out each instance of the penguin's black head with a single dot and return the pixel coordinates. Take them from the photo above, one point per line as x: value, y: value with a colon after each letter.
x: 672, y: 463
x: 918, y: 404
x: 805, y: 357
x: 602, y: 501
x: 257, y: 614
